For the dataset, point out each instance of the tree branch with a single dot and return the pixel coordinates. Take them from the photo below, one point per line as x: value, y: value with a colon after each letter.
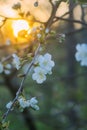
x: 70, y: 20
x: 53, y: 13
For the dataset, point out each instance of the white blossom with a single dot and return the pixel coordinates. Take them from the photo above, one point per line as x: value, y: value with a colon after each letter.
x: 7, y: 72
x: 45, y: 62
x: 16, y: 61
x: 47, y: 30
x: 8, y: 105
x: 81, y: 54
x: 39, y: 35
x: 28, y: 103
x: 44, y: 66
x: 39, y: 75
x: 1, y: 67
x: 22, y: 102
x: 8, y: 66
x: 33, y: 103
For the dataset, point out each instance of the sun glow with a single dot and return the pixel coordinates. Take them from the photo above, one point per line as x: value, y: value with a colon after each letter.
x: 20, y: 27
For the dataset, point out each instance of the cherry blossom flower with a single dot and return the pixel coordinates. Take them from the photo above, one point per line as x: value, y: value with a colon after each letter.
x: 22, y: 102
x: 45, y: 62
x: 8, y: 105
x: 39, y: 75
x: 44, y: 66
x: 33, y: 103
x: 16, y: 61
x: 28, y: 103
x: 81, y: 54
x: 47, y: 30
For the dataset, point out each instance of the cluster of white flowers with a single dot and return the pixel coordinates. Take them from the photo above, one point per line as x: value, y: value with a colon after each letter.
x: 6, y: 68
x: 28, y: 103
x: 16, y: 61
x: 23, y: 103
x: 45, y: 65
x: 81, y: 54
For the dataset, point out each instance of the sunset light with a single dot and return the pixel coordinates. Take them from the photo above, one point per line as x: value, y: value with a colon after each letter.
x: 20, y: 27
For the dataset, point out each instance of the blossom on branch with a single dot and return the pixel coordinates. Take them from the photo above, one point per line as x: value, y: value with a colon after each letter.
x: 16, y: 61
x: 33, y: 103
x: 8, y: 105
x: 45, y: 62
x: 45, y: 65
x: 81, y: 54
x: 23, y: 103
x: 47, y: 30
x: 39, y: 75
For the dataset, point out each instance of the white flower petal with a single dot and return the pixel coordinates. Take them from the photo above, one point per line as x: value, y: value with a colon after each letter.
x: 39, y: 75
x: 16, y: 61
x: 33, y: 103
x: 8, y: 105
x: 81, y: 54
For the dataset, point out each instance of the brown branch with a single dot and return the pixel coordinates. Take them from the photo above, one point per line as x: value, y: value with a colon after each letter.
x: 74, y: 31
x: 71, y: 20
x: 53, y: 13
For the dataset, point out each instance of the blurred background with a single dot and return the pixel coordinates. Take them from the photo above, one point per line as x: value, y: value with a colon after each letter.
x: 63, y: 96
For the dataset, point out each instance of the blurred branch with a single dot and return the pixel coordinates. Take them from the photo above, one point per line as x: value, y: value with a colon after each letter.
x: 74, y: 31
x: 71, y: 20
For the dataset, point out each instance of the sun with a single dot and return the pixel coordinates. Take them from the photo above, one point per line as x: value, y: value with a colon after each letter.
x: 20, y: 27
